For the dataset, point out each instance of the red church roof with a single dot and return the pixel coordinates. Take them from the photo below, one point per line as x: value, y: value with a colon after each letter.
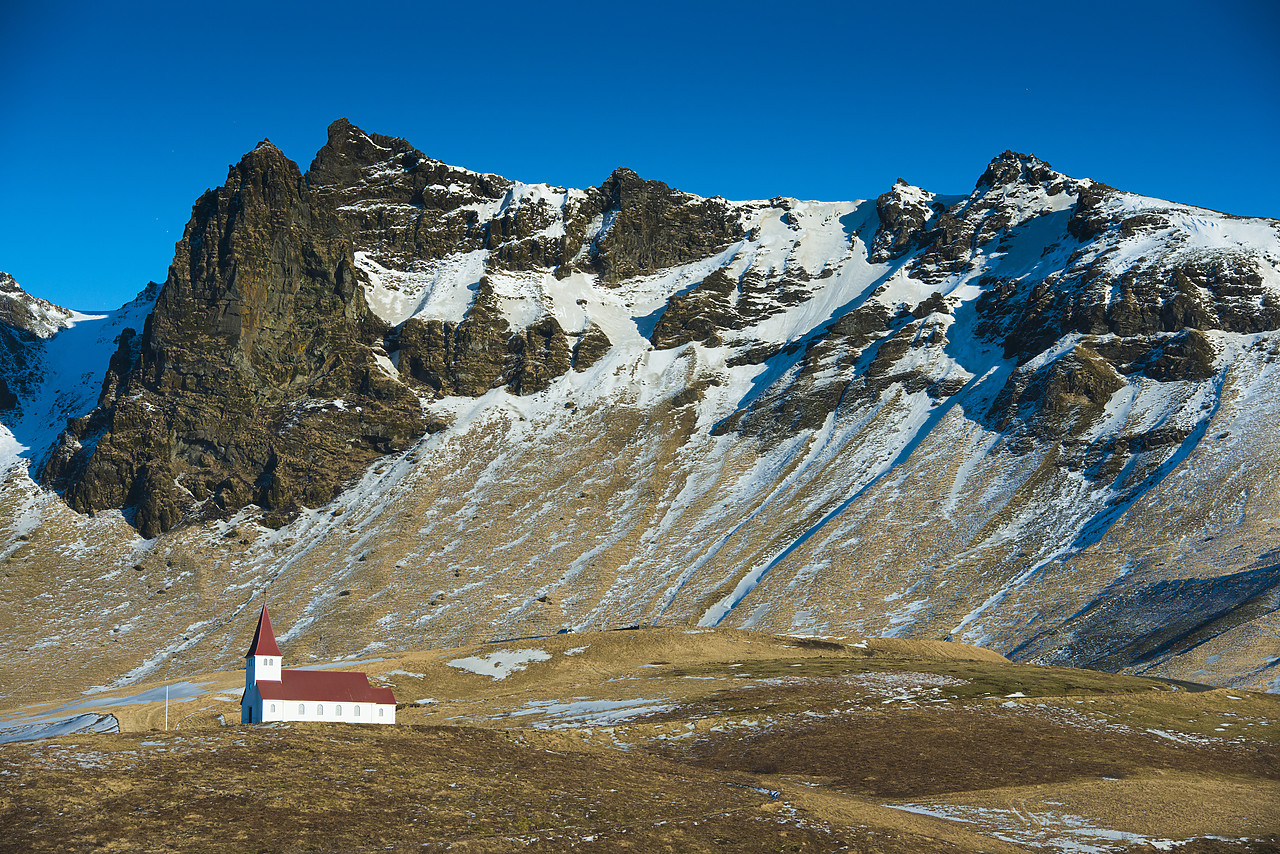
x: 264, y: 639
x: 326, y: 686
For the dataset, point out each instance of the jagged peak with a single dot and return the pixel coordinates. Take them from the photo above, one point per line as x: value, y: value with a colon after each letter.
x: 1011, y: 167
x: 263, y: 154
x: 620, y: 181
x: 343, y: 134
x: 342, y: 126
x: 350, y: 150
x: 624, y: 173
x: 9, y: 285
x: 21, y: 310
x: 905, y: 213
x: 1025, y: 160
x: 907, y: 192
x: 624, y: 179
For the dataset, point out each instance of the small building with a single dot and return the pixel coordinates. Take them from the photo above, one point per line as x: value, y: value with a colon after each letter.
x: 272, y: 693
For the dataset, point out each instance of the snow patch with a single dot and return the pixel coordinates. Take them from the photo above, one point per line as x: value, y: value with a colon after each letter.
x: 500, y: 664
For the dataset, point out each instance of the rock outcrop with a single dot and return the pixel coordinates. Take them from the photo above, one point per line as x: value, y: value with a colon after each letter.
x: 859, y: 357
x: 630, y: 227
x: 906, y: 214
x: 699, y: 314
x: 255, y: 379
x: 538, y: 355
x: 395, y: 202
x: 1062, y: 398
x: 591, y: 346
x: 645, y: 226
x: 482, y: 352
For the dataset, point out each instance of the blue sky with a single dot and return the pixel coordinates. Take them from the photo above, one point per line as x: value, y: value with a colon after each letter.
x: 117, y: 116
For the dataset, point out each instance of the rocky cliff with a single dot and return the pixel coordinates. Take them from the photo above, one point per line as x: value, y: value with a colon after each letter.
x: 259, y: 376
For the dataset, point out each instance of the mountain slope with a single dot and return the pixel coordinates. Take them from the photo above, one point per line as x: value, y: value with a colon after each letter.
x: 1038, y: 417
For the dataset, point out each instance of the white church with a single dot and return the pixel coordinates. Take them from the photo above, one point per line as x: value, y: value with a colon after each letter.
x: 272, y: 693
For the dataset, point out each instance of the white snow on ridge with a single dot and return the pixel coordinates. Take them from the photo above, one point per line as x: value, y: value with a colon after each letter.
x: 817, y: 239
x: 11, y: 450
x: 438, y: 291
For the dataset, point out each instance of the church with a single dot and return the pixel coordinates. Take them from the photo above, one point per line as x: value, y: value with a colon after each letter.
x: 272, y: 693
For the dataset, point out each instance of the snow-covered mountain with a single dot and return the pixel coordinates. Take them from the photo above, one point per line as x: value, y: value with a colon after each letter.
x: 419, y: 405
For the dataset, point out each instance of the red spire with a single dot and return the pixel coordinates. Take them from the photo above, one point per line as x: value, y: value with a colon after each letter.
x: 264, y: 639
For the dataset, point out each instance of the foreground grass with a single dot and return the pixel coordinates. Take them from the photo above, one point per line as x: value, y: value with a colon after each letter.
x: 347, y: 788
x: 726, y: 741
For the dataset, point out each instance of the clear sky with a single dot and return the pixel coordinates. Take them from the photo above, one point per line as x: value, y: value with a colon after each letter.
x: 116, y: 116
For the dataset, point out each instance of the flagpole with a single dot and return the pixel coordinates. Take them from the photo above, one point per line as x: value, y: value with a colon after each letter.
x: 166, y: 708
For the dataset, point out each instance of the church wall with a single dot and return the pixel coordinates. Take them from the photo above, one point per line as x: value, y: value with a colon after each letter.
x: 324, y: 712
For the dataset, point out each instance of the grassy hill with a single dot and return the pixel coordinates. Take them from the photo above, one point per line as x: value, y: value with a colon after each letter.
x: 670, y: 740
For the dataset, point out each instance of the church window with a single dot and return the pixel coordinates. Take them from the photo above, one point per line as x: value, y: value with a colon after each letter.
x: 302, y: 708
x: 381, y: 712
x: 273, y: 708
x: 319, y: 708
x: 357, y: 711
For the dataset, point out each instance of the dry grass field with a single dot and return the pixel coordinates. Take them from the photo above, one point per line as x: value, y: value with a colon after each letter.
x: 669, y: 740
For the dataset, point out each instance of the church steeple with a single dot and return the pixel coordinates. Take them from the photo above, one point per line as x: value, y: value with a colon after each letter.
x: 264, y: 638
x: 263, y: 657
